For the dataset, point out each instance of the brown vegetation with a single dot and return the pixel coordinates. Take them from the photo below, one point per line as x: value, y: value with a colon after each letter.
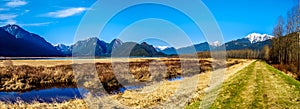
x: 241, y: 54
x: 107, y: 77
x: 22, y: 78
x: 25, y: 77
x: 72, y: 104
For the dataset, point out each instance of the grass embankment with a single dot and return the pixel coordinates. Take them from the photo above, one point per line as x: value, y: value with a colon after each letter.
x: 257, y: 86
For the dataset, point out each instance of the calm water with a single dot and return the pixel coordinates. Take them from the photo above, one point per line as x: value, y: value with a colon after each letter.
x: 65, y: 58
x: 44, y: 95
x: 51, y: 95
x: 177, y: 78
x: 123, y: 89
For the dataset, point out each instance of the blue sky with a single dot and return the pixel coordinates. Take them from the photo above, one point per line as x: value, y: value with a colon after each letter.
x: 57, y: 20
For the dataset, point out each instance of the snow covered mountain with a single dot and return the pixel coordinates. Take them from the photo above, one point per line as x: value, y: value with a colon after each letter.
x: 253, y: 41
x: 215, y: 44
x: 161, y: 48
x: 257, y: 37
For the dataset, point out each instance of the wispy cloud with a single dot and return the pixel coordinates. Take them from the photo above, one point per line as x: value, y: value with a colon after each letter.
x: 7, y: 16
x: 26, y: 11
x: 11, y: 21
x: 16, y: 3
x: 3, y: 9
x: 36, y: 24
x: 66, y: 13
x: 7, y: 19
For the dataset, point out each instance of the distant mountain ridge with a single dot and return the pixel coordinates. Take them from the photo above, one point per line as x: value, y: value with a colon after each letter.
x: 253, y: 41
x: 95, y: 47
x: 64, y: 49
x: 17, y: 42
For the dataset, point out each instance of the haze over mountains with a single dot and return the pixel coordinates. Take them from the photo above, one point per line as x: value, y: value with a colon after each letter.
x: 17, y: 42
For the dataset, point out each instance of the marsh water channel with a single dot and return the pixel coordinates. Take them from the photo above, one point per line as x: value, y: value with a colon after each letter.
x: 48, y: 95
x: 57, y: 94
x: 23, y: 80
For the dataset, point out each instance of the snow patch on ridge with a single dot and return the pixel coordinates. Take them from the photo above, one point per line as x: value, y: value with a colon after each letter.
x: 257, y: 37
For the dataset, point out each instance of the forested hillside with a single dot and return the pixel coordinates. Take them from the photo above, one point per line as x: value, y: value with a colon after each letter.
x: 286, y: 45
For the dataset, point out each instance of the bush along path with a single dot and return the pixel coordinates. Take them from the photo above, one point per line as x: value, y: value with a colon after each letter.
x: 258, y: 86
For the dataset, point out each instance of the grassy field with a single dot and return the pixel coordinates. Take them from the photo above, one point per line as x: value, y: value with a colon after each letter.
x: 257, y: 86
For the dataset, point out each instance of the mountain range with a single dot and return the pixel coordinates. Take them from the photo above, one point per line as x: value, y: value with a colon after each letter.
x: 254, y: 41
x: 17, y: 42
x: 94, y: 46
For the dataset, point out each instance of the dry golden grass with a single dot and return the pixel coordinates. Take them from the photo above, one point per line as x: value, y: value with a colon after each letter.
x: 49, y: 63
x: 22, y: 75
x: 72, y: 104
x: 138, y: 68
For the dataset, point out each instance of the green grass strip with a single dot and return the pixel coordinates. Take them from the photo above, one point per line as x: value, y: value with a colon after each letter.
x: 229, y: 94
x: 289, y: 80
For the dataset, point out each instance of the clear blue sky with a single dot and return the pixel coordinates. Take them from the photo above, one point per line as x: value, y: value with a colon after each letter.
x: 57, y: 20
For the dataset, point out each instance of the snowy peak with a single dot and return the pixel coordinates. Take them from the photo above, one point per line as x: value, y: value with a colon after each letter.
x: 11, y: 27
x: 257, y: 37
x: 161, y: 48
x: 215, y: 43
x: 16, y: 31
